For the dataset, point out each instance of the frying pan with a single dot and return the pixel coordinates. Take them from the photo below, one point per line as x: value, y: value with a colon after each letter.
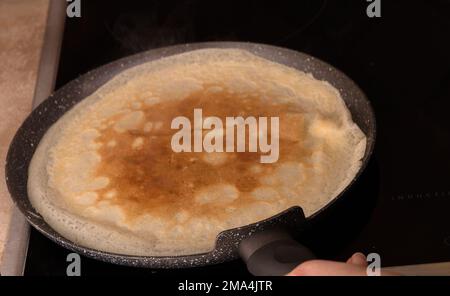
x: 267, y: 247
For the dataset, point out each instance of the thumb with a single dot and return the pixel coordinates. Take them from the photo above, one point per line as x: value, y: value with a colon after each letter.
x: 328, y: 268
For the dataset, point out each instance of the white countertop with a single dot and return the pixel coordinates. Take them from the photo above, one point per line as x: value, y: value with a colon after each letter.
x: 23, y: 25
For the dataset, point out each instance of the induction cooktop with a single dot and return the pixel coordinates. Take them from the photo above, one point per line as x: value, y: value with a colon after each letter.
x: 399, y: 207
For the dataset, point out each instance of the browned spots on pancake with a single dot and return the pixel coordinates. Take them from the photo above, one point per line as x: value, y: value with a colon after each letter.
x: 153, y: 179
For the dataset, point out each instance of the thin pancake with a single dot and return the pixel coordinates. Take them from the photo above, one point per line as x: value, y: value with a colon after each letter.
x: 104, y: 175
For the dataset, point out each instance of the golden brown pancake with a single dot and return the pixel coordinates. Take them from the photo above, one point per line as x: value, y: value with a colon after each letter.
x: 105, y: 175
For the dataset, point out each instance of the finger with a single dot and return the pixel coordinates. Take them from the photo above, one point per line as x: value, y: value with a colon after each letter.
x: 327, y: 268
x: 358, y: 259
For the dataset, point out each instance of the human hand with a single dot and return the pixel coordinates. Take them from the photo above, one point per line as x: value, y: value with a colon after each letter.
x: 356, y: 265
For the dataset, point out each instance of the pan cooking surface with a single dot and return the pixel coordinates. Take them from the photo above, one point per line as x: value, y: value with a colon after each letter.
x: 47, y: 113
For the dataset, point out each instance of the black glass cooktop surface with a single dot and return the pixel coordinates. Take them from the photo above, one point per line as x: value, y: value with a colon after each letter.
x: 399, y: 208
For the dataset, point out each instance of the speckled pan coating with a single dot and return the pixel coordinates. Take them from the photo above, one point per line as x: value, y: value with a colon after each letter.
x: 30, y: 133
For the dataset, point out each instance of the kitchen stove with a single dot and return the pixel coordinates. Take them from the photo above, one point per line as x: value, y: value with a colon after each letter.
x: 400, y: 205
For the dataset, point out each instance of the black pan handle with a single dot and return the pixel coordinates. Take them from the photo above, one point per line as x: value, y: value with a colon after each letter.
x: 272, y: 252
